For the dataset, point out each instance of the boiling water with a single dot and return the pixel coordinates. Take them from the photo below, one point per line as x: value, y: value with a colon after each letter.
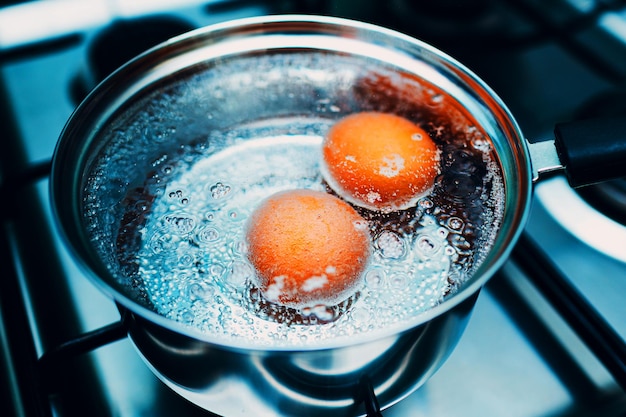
x: 192, y: 264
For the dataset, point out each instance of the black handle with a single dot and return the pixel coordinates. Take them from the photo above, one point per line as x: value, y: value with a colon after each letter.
x: 592, y: 150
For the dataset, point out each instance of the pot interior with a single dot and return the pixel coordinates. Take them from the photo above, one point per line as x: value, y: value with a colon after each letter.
x: 158, y: 170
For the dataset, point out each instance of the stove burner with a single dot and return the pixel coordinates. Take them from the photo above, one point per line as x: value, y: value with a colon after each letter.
x: 459, y: 27
x: 609, y: 198
x: 121, y: 41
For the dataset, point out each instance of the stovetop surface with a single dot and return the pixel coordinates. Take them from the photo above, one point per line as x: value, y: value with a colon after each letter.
x: 517, y: 358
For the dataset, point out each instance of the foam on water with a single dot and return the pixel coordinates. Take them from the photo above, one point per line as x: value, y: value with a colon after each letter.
x: 192, y: 257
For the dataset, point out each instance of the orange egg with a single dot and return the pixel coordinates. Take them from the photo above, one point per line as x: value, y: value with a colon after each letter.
x: 308, y: 248
x: 379, y: 161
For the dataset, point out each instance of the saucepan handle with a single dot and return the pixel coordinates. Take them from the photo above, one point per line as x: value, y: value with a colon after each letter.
x: 590, y: 151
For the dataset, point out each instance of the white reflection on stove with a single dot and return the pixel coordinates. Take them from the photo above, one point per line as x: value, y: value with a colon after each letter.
x: 582, y: 220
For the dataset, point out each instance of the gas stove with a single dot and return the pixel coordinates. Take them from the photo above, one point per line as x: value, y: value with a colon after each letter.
x: 547, y: 336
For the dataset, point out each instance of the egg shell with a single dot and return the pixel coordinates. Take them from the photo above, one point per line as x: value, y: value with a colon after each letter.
x: 307, y: 247
x: 380, y: 161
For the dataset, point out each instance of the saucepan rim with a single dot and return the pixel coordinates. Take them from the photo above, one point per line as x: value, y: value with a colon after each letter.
x: 71, y: 154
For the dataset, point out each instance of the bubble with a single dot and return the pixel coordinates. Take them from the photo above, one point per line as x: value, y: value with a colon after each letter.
x: 241, y: 247
x: 325, y: 105
x: 375, y: 278
x: 176, y: 194
x: 334, y: 109
x: 427, y: 246
x: 437, y: 98
x: 361, y: 314
x: 216, y: 270
x: 163, y: 242
x: 220, y: 190
x: 187, y: 316
x: 442, y: 233
x: 181, y: 224
x: 390, y: 245
x: 455, y: 224
x: 425, y: 203
x: 235, y: 215
x: 417, y: 136
x: 481, y: 144
x: 208, y: 235
x: 399, y: 281
x: 239, y: 274
x: 186, y: 260
x: 141, y: 205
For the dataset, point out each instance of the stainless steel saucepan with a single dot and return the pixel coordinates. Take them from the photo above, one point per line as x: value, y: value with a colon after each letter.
x: 191, y: 100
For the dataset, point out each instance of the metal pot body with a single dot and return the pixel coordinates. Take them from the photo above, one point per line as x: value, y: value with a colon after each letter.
x: 164, y: 103
x: 332, y: 382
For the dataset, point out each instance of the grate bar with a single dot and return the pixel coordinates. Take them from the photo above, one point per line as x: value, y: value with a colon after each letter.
x: 581, y: 316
